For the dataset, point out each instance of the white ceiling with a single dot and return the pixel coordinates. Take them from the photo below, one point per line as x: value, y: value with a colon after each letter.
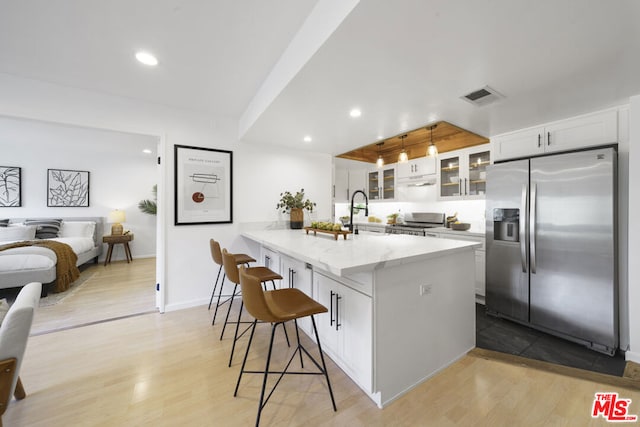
x: 405, y: 63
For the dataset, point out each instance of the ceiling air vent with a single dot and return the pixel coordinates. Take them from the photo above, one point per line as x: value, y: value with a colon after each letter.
x: 482, y: 97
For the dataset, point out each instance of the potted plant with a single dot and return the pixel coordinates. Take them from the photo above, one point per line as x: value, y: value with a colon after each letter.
x: 294, y: 204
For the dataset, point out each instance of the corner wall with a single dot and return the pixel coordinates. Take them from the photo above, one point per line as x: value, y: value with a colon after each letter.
x: 634, y: 231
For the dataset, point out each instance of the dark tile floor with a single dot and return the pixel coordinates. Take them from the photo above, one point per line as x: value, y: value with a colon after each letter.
x: 502, y: 335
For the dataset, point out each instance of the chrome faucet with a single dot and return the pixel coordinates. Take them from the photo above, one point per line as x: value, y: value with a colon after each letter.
x: 366, y: 209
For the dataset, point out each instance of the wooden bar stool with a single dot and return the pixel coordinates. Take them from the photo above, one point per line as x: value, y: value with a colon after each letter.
x: 216, y: 254
x: 277, y: 307
x: 263, y: 274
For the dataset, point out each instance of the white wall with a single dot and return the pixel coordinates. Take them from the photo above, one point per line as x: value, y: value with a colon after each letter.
x: 120, y: 173
x: 634, y: 231
x: 261, y: 172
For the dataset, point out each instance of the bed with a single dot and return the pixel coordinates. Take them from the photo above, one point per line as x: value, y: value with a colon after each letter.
x: 22, y: 265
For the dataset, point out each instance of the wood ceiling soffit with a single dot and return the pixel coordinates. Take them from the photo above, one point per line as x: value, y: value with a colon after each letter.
x: 446, y: 136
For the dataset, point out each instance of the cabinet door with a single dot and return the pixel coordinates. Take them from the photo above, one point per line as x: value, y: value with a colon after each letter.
x: 353, y: 310
x: 388, y: 179
x: 271, y: 260
x: 373, y: 185
x: 449, y: 179
x: 341, y: 185
x: 523, y: 143
x: 297, y: 275
x: 357, y: 181
x: 324, y: 290
x: 585, y: 131
x: 475, y: 176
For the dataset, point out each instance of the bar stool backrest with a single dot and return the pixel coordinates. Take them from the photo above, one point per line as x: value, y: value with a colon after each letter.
x: 216, y: 254
x: 254, y: 299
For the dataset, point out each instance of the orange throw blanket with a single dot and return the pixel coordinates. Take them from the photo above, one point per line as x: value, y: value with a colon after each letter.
x: 66, y: 269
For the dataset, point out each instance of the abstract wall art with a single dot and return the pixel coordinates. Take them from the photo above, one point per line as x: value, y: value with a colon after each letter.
x: 67, y: 188
x: 10, y: 186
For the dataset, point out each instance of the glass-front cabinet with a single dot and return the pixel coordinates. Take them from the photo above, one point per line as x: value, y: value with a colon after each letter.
x: 381, y: 184
x: 462, y: 173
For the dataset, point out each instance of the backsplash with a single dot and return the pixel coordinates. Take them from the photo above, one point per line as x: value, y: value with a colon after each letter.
x: 422, y: 199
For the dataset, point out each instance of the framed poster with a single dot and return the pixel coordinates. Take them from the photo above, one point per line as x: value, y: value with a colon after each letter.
x: 203, y: 183
x: 67, y: 188
x: 10, y: 186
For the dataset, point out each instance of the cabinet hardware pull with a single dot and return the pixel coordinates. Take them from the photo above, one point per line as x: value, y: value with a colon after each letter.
x: 338, y: 298
x: 466, y: 192
x: 334, y: 191
x: 293, y: 278
x: 539, y: 140
x: 331, y: 308
x: 548, y: 138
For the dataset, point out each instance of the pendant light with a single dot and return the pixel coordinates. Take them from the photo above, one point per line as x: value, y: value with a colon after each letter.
x: 432, y: 150
x: 380, y: 161
x: 403, y: 157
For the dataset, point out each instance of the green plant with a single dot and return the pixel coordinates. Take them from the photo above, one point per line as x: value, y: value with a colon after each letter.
x: 289, y: 201
x: 150, y: 206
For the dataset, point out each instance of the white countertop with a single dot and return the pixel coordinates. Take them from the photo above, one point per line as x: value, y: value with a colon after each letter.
x: 359, y: 252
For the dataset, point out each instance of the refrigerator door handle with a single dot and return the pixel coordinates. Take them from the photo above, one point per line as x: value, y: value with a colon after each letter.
x: 532, y: 227
x: 523, y: 237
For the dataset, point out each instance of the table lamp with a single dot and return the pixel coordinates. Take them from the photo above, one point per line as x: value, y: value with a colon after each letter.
x: 116, y: 217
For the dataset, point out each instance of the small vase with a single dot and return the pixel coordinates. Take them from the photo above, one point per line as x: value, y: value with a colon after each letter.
x: 296, y: 219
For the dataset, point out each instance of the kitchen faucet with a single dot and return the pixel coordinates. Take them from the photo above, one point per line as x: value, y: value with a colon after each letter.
x: 366, y: 209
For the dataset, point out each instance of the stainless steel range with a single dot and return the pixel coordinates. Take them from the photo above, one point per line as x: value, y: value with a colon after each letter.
x: 417, y: 223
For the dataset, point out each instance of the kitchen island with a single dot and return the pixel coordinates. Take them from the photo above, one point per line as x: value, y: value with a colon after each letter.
x: 401, y: 308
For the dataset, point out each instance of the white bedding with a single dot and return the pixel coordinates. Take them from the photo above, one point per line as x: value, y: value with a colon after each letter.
x: 78, y: 244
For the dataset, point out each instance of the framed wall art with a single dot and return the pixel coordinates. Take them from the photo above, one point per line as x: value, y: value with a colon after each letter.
x: 203, y: 183
x: 10, y: 186
x: 67, y: 188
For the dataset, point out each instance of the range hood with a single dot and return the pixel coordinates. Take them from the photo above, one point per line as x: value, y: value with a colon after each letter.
x: 418, y: 181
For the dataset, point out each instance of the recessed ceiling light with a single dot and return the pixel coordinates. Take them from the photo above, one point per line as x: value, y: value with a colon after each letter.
x: 146, y: 58
x: 307, y: 138
x: 146, y: 151
x: 355, y: 113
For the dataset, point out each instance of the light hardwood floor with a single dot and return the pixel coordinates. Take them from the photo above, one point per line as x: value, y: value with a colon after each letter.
x: 171, y: 370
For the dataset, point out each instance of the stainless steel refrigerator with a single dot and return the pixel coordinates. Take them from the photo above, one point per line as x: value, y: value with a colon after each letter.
x: 551, y: 245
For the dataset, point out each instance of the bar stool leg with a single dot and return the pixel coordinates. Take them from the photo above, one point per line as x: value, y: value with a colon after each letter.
x: 324, y: 366
x: 295, y: 321
x: 215, y: 313
x: 226, y: 319
x: 266, y: 375
x: 246, y: 354
x: 214, y: 288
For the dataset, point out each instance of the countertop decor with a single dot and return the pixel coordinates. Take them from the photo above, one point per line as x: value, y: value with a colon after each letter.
x: 294, y: 204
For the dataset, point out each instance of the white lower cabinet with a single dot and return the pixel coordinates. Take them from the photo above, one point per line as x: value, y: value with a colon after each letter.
x: 345, y: 330
x: 480, y: 255
x: 270, y: 259
x: 297, y: 274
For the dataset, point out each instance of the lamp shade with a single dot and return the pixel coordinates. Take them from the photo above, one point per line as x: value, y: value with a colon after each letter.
x: 116, y: 217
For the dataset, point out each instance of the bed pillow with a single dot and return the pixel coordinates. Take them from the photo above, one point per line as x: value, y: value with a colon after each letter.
x: 46, y: 228
x: 4, y: 222
x: 11, y: 234
x: 77, y: 229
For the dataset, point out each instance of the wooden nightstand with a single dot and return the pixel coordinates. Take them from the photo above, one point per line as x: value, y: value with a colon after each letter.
x: 112, y: 240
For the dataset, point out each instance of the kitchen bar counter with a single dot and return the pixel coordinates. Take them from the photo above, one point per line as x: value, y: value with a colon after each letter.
x: 359, y: 252
x: 401, y: 308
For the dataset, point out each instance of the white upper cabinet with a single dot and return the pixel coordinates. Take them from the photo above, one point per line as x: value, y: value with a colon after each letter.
x: 462, y: 173
x: 416, y: 170
x: 349, y: 177
x: 580, y: 132
x: 381, y: 183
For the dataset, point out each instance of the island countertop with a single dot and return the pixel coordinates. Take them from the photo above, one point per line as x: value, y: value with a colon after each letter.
x: 359, y: 252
